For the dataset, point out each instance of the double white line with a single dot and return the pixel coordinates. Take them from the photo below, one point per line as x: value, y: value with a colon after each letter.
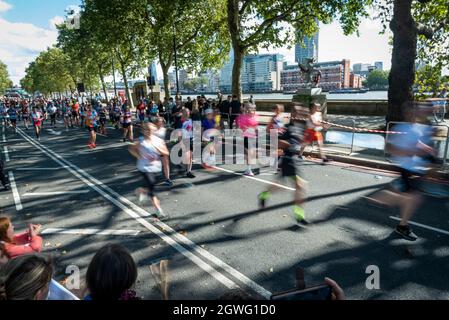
x: 182, y: 244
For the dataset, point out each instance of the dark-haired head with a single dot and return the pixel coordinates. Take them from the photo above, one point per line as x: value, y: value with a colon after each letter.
x: 111, y: 273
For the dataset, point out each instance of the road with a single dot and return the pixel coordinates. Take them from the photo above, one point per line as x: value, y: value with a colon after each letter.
x: 216, y: 238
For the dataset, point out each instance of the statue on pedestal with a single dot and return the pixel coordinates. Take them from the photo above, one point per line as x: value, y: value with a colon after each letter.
x: 310, y: 73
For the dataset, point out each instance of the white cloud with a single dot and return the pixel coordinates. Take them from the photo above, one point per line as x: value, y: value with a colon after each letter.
x: 57, y: 20
x: 4, y: 6
x: 21, y: 43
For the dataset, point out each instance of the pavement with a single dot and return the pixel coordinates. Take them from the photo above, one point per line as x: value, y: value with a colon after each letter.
x: 216, y: 238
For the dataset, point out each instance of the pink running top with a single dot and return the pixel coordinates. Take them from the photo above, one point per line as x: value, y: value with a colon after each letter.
x: 248, y: 124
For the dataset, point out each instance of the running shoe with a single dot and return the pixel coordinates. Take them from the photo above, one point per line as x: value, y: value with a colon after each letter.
x: 249, y: 173
x: 141, y: 197
x: 90, y: 146
x: 160, y: 214
x: 190, y: 175
x: 299, y: 214
x: 406, y: 233
x: 169, y: 183
x: 263, y: 197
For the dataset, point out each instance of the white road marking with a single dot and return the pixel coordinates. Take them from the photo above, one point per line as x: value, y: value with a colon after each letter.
x: 39, y: 169
x: 119, y: 201
x: 5, y: 151
x: 15, y: 192
x: 423, y: 226
x: 55, y: 193
x: 91, y: 231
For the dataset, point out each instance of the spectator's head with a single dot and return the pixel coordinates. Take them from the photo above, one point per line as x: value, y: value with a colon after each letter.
x: 234, y: 97
x: 6, y: 230
x: 229, y: 98
x: 185, y: 114
x: 171, y: 99
x: 26, y: 277
x: 314, y: 107
x: 111, y: 273
x: 249, y: 108
x: 210, y: 114
x: 278, y: 108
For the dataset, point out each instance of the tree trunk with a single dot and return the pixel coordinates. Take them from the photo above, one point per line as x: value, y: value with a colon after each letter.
x: 166, y: 80
x: 127, y: 90
x: 402, y: 74
x: 103, y: 85
x: 239, y: 52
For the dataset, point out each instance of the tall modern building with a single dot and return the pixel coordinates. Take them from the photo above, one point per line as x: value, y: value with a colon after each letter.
x: 259, y: 73
x: 152, y: 70
x: 307, y: 49
x: 379, y: 65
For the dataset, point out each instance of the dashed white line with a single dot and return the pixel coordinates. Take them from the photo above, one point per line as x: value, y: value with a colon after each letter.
x: 54, y: 193
x: 122, y: 232
x: 5, y: 151
x: 15, y: 192
x: 423, y: 226
x: 39, y: 169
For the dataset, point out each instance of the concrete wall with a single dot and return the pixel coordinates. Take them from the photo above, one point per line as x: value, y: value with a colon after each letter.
x: 349, y: 107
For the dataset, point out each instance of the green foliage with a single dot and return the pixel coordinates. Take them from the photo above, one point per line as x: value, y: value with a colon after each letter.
x: 429, y: 81
x: 377, y: 80
x: 49, y: 73
x: 5, y: 81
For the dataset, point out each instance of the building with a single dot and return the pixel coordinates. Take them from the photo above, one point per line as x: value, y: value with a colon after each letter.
x: 213, y: 77
x: 259, y: 73
x: 307, y: 49
x: 379, y: 65
x: 361, y: 69
x: 335, y: 75
x: 355, y: 81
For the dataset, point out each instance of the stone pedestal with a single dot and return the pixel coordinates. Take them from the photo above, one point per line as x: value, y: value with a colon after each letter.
x: 307, y: 96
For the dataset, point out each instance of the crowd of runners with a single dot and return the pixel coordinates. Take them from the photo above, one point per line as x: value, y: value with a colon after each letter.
x: 158, y: 121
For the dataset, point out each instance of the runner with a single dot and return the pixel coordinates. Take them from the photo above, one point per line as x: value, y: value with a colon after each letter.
x: 277, y: 124
x: 140, y: 112
x: 148, y: 152
x: 117, y: 112
x: 103, y: 120
x: 25, y: 113
x: 75, y: 114
x: 313, y: 132
x: 37, y: 118
x: 66, y: 113
x: 290, y: 142
x: 186, y: 136
x: 3, y: 112
x: 248, y: 122
x: 52, y: 112
x: 210, y: 132
x: 413, y: 153
x: 12, y: 112
x: 91, y: 125
x: 127, y: 124
x: 161, y: 133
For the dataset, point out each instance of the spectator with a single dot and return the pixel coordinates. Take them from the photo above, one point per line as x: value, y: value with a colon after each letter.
x: 111, y: 274
x: 188, y: 104
x: 26, y: 277
x: 337, y: 291
x: 20, y: 244
x: 225, y: 105
x: 234, y: 110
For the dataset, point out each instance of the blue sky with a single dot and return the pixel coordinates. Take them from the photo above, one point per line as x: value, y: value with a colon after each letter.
x: 37, y: 12
x: 27, y: 28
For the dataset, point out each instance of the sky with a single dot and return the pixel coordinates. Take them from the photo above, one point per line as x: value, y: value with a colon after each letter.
x: 27, y: 27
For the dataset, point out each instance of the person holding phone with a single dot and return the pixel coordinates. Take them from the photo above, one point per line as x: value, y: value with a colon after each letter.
x: 15, y: 245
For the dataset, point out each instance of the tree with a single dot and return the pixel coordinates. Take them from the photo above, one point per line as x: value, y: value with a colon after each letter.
x: 377, y: 80
x: 198, y: 28
x: 273, y: 23
x: 429, y: 80
x: 113, y: 24
x: 5, y: 81
x: 87, y: 55
x: 420, y: 29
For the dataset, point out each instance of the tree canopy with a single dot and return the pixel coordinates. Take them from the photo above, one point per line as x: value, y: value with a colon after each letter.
x: 5, y: 81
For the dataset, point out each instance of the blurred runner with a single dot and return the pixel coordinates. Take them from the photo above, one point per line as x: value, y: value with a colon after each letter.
x: 290, y: 143
x: 248, y: 122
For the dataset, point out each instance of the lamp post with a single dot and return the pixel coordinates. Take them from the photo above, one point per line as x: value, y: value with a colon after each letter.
x: 176, y: 58
x: 113, y: 73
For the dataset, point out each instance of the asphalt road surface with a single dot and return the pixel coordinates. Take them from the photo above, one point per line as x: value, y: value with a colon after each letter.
x: 216, y: 238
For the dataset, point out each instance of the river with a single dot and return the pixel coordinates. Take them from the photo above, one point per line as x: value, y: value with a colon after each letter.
x: 370, y: 95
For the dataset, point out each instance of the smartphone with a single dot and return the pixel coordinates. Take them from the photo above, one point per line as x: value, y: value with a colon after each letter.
x: 320, y: 292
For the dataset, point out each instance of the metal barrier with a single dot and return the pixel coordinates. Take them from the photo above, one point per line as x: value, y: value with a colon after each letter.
x: 446, y: 148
